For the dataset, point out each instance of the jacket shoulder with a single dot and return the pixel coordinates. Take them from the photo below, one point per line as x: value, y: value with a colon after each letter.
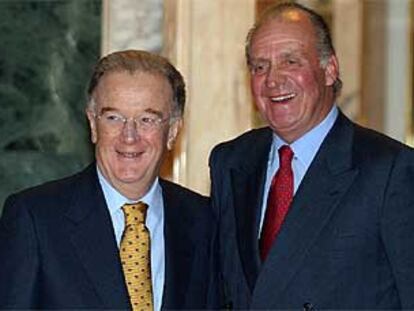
x: 371, y: 143
x: 246, y: 144
x: 245, y: 140
x: 191, y: 206
x: 180, y: 193
x: 47, y: 195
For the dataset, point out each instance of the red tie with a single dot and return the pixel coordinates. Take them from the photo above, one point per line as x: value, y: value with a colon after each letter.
x: 278, y: 202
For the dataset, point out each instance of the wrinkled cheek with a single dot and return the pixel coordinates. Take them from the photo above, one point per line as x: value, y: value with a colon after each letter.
x: 309, y: 83
x: 258, y: 100
x: 256, y: 86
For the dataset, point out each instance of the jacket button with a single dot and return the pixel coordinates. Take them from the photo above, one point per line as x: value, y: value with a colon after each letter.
x: 307, y: 306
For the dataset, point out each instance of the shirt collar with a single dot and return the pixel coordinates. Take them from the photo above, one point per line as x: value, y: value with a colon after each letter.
x: 306, y: 147
x: 115, y: 200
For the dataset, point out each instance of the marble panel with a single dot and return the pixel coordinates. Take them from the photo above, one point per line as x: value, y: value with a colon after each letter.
x: 132, y: 24
x: 48, y: 50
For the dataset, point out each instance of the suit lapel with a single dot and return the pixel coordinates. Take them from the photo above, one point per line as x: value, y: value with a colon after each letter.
x: 327, y: 180
x: 247, y: 183
x: 178, y: 248
x: 94, y: 240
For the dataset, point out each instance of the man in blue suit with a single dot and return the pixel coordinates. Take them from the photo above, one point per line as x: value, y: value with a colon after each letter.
x: 339, y: 203
x: 59, y: 241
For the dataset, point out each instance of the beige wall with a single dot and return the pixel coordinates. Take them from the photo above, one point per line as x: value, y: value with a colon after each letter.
x: 205, y: 39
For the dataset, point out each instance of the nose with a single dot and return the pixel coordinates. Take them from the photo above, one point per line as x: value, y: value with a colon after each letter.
x: 274, y: 77
x: 130, y: 131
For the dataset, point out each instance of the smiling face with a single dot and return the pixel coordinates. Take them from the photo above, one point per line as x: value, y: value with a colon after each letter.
x: 130, y: 159
x: 292, y: 90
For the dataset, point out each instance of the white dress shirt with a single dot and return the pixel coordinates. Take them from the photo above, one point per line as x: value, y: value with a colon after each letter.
x: 154, y: 222
x: 304, y: 149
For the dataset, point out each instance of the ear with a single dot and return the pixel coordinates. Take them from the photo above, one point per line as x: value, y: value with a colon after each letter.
x: 92, y: 125
x: 173, y: 132
x: 331, y: 70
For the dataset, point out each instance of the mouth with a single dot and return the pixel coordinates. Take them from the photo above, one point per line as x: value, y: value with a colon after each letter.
x: 282, y: 98
x: 129, y: 155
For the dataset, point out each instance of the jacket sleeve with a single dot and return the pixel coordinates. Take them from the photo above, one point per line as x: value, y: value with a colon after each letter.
x: 221, y: 297
x: 19, y: 258
x: 397, y: 226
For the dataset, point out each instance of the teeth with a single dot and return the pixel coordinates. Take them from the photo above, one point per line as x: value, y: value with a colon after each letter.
x: 282, y: 98
x: 129, y: 154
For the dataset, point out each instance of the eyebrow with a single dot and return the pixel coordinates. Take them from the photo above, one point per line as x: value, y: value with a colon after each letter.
x: 156, y: 112
x: 283, y: 54
x: 148, y: 110
x: 105, y: 109
x: 291, y: 53
x: 258, y: 60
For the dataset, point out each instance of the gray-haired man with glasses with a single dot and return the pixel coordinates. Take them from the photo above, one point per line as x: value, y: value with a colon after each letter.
x: 61, y: 243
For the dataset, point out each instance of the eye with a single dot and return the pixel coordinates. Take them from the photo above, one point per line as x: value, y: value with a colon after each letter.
x: 148, y: 120
x: 112, y: 117
x: 259, y: 68
x: 292, y: 61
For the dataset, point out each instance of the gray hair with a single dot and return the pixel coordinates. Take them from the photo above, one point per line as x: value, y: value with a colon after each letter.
x: 140, y: 61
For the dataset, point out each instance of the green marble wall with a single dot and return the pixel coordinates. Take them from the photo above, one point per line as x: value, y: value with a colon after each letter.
x: 48, y: 48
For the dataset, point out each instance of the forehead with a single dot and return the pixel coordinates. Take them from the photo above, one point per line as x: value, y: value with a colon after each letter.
x: 123, y: 87
x: 280, y: 33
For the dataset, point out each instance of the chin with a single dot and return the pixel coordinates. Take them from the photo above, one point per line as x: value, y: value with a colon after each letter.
x: 130, y: 177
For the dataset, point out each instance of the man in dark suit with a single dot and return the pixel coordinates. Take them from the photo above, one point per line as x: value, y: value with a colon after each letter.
x: 315, y: 212
x: 59, y: 242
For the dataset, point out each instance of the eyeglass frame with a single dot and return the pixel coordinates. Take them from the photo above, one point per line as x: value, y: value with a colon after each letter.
x: 139, y: 125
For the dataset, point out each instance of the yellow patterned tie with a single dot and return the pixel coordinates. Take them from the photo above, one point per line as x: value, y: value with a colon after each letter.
x: 135, y: 256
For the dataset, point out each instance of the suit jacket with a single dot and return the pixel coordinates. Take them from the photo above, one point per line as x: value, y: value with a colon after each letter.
x: 58, y: 248
x: 348, y: 239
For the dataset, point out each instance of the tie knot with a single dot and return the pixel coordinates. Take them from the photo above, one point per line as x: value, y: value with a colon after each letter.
x: 285, y: 155
x: 135, y: 213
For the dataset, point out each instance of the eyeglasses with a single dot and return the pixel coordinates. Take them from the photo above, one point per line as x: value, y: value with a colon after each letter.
x: 146, y: 122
